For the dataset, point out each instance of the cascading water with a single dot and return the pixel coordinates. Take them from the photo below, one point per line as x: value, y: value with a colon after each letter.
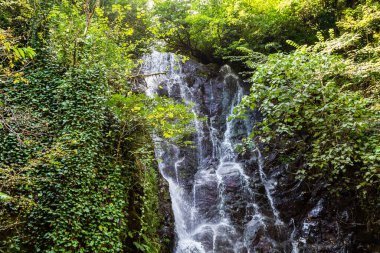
x: 219, y: 206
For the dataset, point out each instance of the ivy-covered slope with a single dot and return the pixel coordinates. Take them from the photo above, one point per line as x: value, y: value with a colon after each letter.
x: 77, y: 166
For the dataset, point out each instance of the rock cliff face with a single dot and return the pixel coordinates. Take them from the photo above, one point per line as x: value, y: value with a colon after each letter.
x: 167, y: 231
x: 229, y: 203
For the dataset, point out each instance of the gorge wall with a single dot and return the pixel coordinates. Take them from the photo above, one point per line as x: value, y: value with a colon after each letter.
x: 224, y: 202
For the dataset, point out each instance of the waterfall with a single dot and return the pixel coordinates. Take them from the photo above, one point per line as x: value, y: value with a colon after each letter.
x: 219, y: 205
x: 268, y: 186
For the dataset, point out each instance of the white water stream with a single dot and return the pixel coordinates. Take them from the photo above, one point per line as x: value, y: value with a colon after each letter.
x: 213, y: 201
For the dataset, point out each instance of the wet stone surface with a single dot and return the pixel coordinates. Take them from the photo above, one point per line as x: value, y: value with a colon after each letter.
x: 223, y: 202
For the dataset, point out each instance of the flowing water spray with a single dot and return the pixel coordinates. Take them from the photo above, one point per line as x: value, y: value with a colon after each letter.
x: 214, y: 197
x: 268, y: 187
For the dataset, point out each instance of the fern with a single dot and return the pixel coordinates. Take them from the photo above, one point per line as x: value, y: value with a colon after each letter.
x: 293, y: 44
x: 331, y: 34
x: 320, y: 37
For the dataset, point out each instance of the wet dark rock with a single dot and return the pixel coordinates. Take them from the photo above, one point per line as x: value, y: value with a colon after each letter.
x: 224, y: 239
x: 166, y: 232
x: 206, y: 237
x: 267, y: 213
x: 206, y: 195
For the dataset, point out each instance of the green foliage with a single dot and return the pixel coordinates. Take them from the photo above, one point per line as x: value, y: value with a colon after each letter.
x: 15, y: 15
x: 360, y: 44
x: 160, y: 116
x: 13, y: 57
x: 83, y: 196
x: 313, y: 111
x: 141, y: 117
x: 149, y: 219
x: 212, y: 30
x: 91, y: 38
x: 71, y: 159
